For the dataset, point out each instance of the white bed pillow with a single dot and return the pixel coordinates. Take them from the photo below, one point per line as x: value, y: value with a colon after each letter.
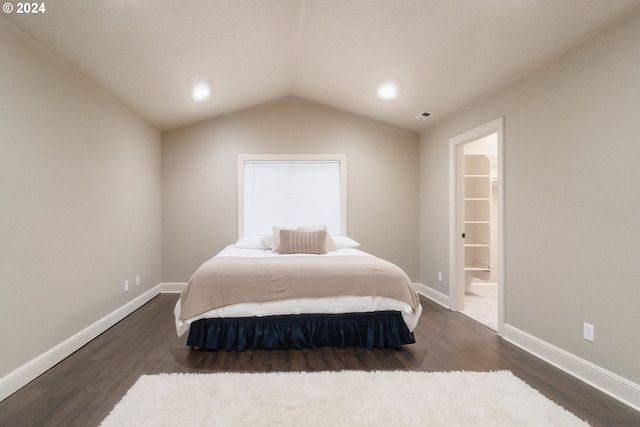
x: 344, y: 242
x: 249, y: 242
x: 267, y: 241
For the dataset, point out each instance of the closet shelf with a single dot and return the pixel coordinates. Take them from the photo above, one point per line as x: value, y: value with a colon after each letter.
x: 475, y: 199
x: 476, y: 245
x: 477, y: 267
x: 477, y: 222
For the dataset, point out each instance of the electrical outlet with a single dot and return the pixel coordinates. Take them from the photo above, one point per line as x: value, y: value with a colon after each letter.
x: 588, y: 332
x: 439, y: 276
x: 137, y: 280
x: 126, y: 286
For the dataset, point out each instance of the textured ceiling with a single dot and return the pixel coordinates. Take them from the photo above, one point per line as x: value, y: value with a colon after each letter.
x: 443, y: 54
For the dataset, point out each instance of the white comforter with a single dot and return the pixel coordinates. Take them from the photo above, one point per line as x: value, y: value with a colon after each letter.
x: 334, y: 305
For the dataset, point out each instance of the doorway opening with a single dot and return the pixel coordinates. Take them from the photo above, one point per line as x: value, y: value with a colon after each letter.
x: 476, y: 224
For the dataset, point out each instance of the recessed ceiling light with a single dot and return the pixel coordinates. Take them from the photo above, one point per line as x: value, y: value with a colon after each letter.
x: 200, y: 89
x: 388, y: 91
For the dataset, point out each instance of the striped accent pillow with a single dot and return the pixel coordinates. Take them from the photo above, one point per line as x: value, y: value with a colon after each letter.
x: 303, y: 242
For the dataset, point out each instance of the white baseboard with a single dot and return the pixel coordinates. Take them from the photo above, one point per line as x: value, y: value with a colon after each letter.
x: 172, y: 287
x: 20, y: 377
x: 614, y: 385
x: 432, y: 294
x: 475, y: 287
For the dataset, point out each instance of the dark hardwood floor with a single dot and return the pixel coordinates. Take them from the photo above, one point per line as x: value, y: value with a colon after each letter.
x: 82, y: 389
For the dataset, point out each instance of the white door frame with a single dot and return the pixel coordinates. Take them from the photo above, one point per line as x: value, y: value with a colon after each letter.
x: 456, y: 244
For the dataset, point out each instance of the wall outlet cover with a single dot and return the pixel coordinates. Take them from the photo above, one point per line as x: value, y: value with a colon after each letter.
x: 588, y: 332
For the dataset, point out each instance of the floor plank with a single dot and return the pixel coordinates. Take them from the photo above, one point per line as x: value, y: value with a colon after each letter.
x: 82, y: 389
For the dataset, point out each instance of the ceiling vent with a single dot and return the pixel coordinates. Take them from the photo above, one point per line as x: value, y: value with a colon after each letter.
x: 423, y: 116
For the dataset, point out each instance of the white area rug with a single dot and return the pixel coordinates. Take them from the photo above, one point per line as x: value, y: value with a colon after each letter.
x: 349, y: 398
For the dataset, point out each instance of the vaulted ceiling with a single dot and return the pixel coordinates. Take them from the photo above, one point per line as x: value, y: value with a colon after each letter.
x: 441, y: 54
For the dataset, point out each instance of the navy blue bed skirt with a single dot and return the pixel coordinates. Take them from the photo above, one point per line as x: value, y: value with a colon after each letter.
x: 369, y: 330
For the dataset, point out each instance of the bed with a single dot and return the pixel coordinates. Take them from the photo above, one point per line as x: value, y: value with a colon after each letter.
x: 297, y: 289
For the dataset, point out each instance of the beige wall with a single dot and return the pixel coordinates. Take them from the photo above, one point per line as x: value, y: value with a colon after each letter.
x: 79, y: 201
x: 199, y: 193
x: 572, y: 157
